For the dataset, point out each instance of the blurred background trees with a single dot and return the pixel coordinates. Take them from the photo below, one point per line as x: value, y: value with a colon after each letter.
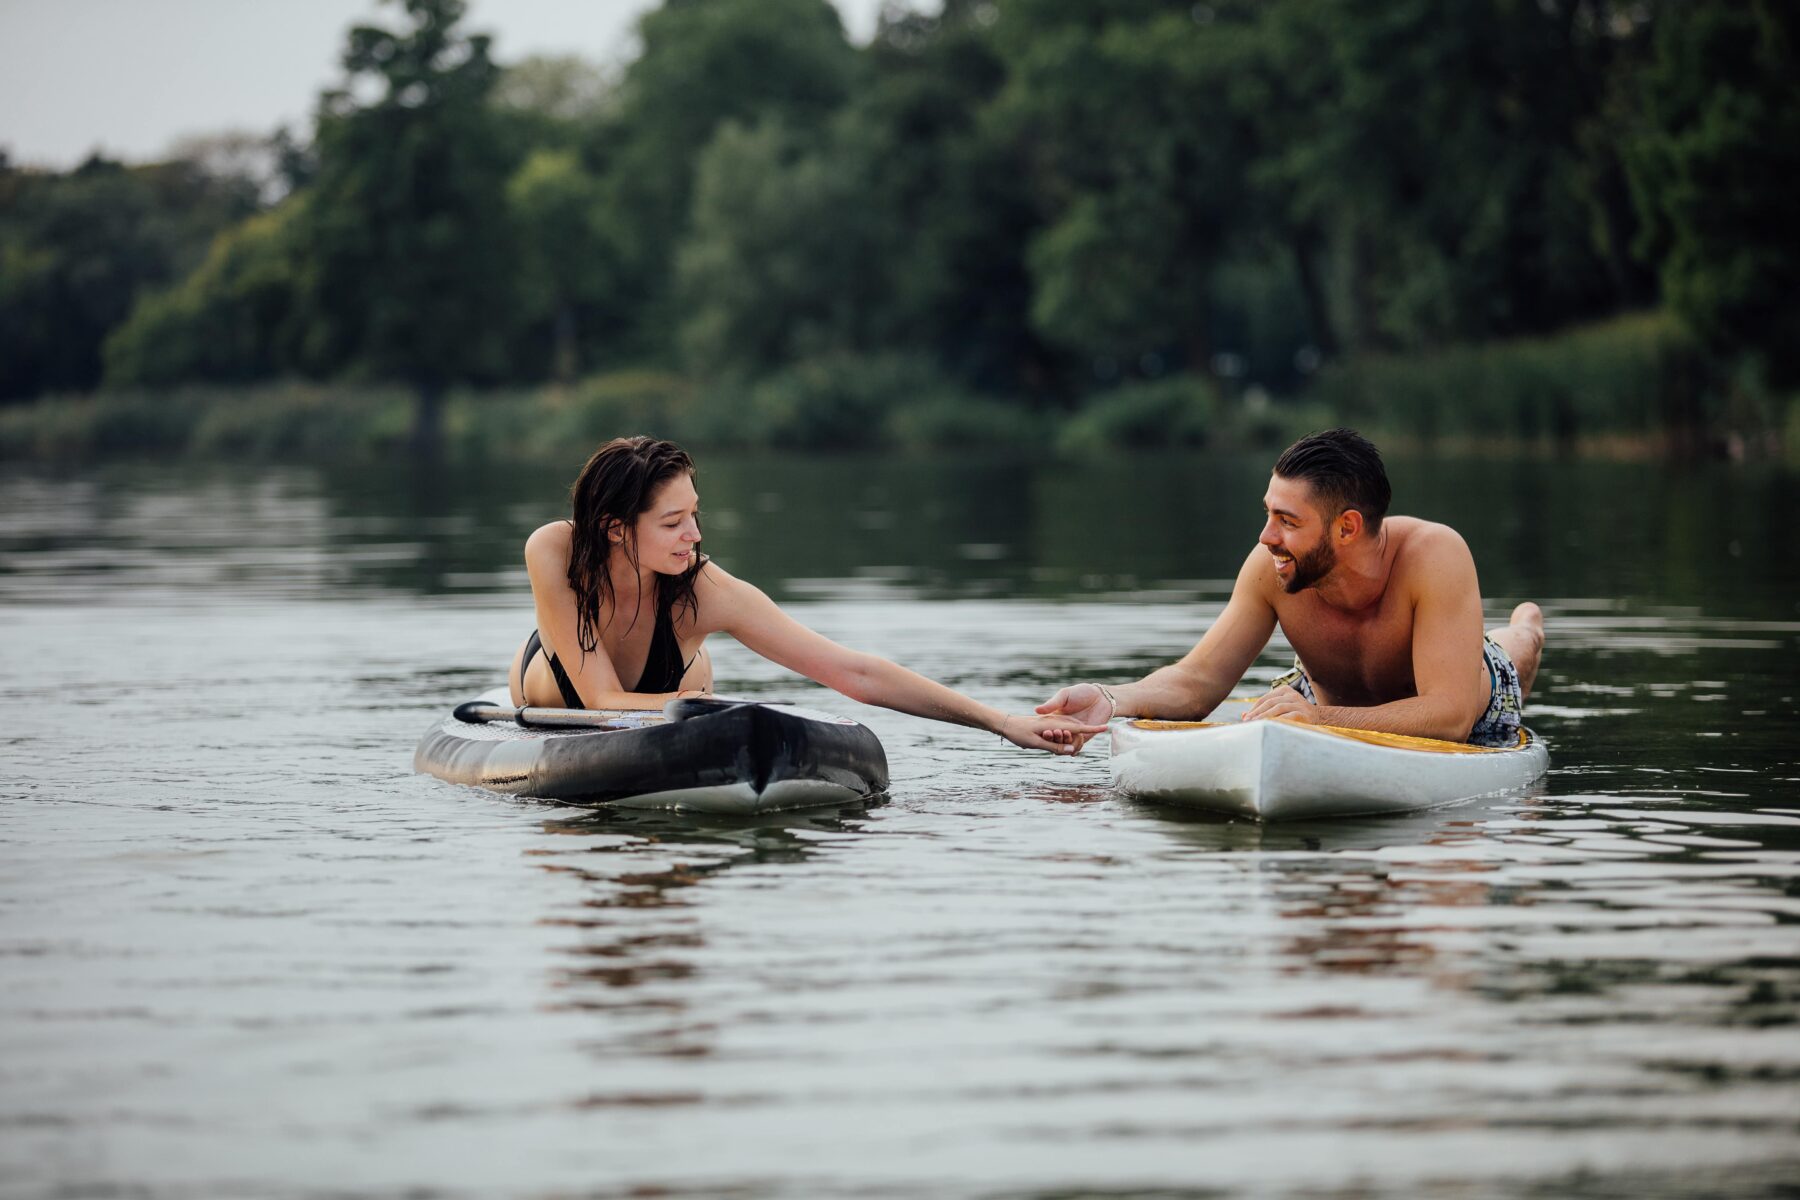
x: 77, y: 251
x: 1036, y: 206
x: 1712, y: 157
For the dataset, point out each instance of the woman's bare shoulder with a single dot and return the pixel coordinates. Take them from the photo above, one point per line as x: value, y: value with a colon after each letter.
x: 556, y: 537
x: 715, y: 584
x: 711, y: 574
x: 722, y: 596
x: 548, y: 548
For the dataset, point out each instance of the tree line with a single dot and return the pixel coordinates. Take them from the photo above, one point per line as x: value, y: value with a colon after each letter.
x: 1032, y: 200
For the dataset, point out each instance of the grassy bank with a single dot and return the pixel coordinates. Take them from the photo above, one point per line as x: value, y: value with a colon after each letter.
x: 816, y: 406
x: 1635, y: 385
x: 1632, y: 387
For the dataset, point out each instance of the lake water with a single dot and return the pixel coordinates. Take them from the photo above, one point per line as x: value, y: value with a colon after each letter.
x: 244, y: 951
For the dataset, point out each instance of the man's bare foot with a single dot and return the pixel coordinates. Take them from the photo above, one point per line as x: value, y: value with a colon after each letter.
x: 1523, y: 641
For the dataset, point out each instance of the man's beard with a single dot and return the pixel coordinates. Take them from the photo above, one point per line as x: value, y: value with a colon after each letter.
x: 1316, y: 565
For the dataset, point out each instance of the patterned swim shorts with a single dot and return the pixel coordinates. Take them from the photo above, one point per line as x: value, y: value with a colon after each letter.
x: 1498, y: 726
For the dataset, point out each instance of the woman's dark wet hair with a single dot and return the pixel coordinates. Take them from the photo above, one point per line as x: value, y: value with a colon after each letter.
x: 618, y: 483
x: 1345, y: 471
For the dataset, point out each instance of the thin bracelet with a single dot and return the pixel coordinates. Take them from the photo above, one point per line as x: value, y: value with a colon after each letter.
x: 1110, y: 699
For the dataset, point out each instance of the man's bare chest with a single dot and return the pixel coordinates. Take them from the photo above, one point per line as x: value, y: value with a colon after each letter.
x: 1353, y: 658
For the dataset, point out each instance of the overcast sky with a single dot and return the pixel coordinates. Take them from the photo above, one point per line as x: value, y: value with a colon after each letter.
x: 132, y: 76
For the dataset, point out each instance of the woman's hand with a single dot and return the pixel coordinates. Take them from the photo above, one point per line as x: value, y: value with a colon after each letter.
x: 1058, y: 735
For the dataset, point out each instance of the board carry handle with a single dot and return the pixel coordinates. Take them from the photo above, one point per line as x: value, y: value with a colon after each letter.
x: 476, y: 713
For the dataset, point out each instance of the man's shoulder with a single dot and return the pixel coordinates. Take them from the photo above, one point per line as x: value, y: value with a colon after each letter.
x: 1425, y: 538
x: 1256, y: 577
x: 1427, y: 552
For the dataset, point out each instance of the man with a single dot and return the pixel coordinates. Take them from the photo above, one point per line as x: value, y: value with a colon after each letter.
x: 1383, y: 613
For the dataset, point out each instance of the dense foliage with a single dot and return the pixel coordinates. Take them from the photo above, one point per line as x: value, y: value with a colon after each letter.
x: 77, y: 251
x: 1137, y: 209
x: 1714, y: 166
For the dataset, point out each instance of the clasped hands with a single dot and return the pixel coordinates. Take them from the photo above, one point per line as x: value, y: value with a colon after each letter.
x: 1092, y: 706
x: 1057, y: 733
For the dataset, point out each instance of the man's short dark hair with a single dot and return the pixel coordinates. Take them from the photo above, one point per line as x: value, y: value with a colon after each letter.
x: 1345, y: 471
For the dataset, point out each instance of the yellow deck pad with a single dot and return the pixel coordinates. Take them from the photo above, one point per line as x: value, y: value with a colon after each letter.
x: 1397, y: 741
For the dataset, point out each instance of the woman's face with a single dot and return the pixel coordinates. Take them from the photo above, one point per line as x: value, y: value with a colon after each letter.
x: 667, y: 533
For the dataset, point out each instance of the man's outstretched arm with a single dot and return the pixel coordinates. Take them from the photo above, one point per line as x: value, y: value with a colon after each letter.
x: 1204, y: 676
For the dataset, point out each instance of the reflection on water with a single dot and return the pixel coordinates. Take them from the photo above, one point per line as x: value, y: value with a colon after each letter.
x: 243, y: 951
x: 636, y: 966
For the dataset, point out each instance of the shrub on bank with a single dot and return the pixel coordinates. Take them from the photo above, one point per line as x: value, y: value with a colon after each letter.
x: 1176, y: 412
x: 842, y: 402
x: 295, y: 420
x: 267, y: 421
x: 838, y: 402
x: 1637, y: 383
x: 548, y: 421
x: 1640, y: 376
x: 957, y: 422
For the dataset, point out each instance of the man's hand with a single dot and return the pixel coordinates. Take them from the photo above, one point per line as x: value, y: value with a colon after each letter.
x: 1084, y: 702
x: 1283, y: 703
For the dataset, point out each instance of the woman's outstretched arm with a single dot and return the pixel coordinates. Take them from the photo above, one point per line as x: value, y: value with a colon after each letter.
x: 746, y: 613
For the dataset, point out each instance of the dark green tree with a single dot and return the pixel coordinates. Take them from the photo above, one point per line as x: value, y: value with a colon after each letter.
x: 405, y: 261
x: 567, y: 271
x: 1444, y: 171
x: 899, y: 227
x: 954, y: 198
x: 1713, y: 171
x: 1139, y: 162
x: 77, y: 250
x: 704, y: 63
x: 555, y: 95
x: 781, y: 261
x: 232, y: 320
x: 556, y: 102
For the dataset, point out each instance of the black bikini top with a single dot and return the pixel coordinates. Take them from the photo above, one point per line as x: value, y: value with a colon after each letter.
x: 663, y: 668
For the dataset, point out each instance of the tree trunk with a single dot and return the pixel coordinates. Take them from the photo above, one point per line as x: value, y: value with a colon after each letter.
x: 428, y: 418
x: 1197, y: 343
x: 563, y: 363
x: 1364, y: 332
x: 1306, y: 247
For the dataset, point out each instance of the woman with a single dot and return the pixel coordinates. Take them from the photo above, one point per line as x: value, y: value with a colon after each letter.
x: 625, y: 600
